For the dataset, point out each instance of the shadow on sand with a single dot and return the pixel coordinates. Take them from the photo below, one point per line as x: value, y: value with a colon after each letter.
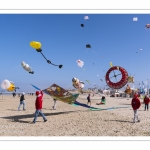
x: 120, y: 121
x: 18, y: 117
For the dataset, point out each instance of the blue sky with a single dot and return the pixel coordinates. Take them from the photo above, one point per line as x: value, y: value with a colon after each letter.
x: 113, y: 37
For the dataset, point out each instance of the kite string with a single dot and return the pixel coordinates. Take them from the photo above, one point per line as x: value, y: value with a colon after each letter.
x: 12, y: 70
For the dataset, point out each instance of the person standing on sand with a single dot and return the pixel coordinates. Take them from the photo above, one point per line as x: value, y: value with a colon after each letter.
x: 38, y: 106
x: 22, y: 101
x: 54, y: 107
x: 89, y: 100
x: 146, y: 102
x: 135, y: 105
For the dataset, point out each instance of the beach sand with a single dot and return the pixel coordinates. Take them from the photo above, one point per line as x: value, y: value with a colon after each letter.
x: 68, y: 120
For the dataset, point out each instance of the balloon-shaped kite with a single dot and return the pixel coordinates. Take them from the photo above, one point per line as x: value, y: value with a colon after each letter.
x: 80, y: 63
x: 37, y: 46
x: 27, y: 67
x: 78, y: 84
x: 8, y: 85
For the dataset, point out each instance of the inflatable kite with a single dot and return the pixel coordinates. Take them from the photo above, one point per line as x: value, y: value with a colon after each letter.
x: 78, y: 84
x: 128, y: 90
x: 118, y: 84
x: 80, y: 63
x: 8, y: 85
x: 37, y: 46
x: 26, y: 67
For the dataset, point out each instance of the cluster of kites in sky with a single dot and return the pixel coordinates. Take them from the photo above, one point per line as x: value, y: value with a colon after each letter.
x: 76, y: 83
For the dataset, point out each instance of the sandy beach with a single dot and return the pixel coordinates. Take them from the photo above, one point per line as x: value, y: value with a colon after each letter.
x: 68, y: 120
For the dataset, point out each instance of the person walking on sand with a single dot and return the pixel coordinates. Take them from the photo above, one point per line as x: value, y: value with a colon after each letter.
x: 22, y: 101
x: 146, y: 102
x: 38, y: 106
x: 89, y: 100
x: 135, y: 105
x: 54, y: 107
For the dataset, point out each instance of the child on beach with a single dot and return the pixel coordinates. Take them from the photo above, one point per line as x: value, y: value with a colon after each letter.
x: 38, y: 106
x: 135, y: 105
x: 103, y: 101
x: 146, y: 102
x: 54, y: 107
x: 22, y: 101
x: 89, y: 100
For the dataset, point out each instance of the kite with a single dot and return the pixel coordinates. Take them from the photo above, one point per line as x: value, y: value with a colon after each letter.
x: 27, y: 67
x: 101, y: 80
x: 87, y: 81
x: 147, y: 26
x: 86, y: 17
x: 37, y: 46
x: 78, y: 84
x: 59, y: 93
x: 130, y: 79
x: 128, y: 90
x: 82, y: 25
x: 88, y: 46
x: 8, y: 85
x: 118, y: 84
x: 111, y: 64
x: 135, y: 19
x: 80, y: 63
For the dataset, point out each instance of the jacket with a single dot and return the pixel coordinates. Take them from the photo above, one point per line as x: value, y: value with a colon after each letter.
x: 39, y: 100
x: 135, y: 103
x: 146, y: 100
x: 22, y: 98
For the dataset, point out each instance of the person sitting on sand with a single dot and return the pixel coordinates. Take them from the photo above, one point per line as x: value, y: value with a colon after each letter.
x: 135, y: 105
x: 103, y: 101
x: 38, y: 106
x: 22, y: 101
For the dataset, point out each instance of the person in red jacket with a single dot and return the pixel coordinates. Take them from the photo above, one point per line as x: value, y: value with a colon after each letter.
x: 146, y: 102
x: 38, y: 106
x: 135, y: 105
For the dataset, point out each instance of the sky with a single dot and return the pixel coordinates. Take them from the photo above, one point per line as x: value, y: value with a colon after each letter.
x: 114, y: 38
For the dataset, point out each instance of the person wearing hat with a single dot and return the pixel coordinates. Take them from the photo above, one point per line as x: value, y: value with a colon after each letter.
x: 38, y: 106
x: 135, y: 105
x: 22, y: 101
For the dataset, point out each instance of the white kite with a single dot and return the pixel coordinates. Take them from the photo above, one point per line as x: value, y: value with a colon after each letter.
x: 78, y: 84
x: 80, y: 63
x: 135, y: 19
x: 8, y: 85
x: 26, y: 67
x: 86, y: 17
